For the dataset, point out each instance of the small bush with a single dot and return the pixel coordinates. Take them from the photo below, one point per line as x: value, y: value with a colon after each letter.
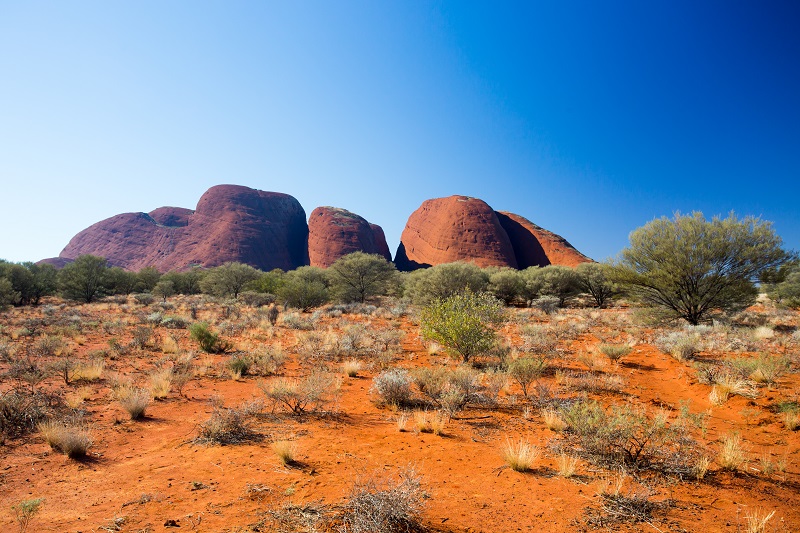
x: 267, y: 360
x: 682, y: 345
x: 521, y: 455
x: 383, y: 505
x: 300, y: 396
x: 160, y: 383
x: 209, y: 341
x: 144, y: 298
x: 526, y: 370
x: 21, y: 411
x: 393, y: 387
x: 229, y: 425
x: 615, y: 352
x: 24, y: 512
x: 89, y: 371
x: 68, y: 437
x: 238, y: 366
x: 546, y: 304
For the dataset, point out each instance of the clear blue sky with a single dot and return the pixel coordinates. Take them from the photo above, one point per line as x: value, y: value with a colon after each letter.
x: 588, y: 118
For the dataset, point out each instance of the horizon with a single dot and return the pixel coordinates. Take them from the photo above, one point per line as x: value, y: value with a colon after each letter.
x: 588, y: 120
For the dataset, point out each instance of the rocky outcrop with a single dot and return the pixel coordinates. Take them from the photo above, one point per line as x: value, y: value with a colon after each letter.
x: 460, y: 228
x: 335, y: 232
x: 231, y: 223
x: 536, y: 246
x: 456, y: 228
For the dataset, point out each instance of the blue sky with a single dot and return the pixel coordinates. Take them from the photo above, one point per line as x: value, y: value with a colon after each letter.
x: 588, y: 118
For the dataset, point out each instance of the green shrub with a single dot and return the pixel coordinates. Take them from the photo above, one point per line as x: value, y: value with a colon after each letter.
x: 463, y: 323
x: 209, y: 341
x: 615, y: 352
x: 526, y: 370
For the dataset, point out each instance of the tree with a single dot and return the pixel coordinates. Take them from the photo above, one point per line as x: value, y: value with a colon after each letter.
x: 506, y: 284
x: 787, y: 289
x: 305, y: 288
x: 29, y: 281
x: 7, y: 294
x: 146, y: 279
x: 689, y: 267
x: 85, y: 279
x: 441, y: 281
x: 228, y: 279
x: 558, y: 281
x: 357, y: 276
x: 464, y: 322
x: 185, y: 282
x: 164, y: 289
x: 592, y: 279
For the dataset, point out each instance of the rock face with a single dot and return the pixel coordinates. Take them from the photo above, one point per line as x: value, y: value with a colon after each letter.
x: 335, y: 232
x: 231, y: 223
x: 460, y: 228
x: 535, y: 246
x: 456, y: 228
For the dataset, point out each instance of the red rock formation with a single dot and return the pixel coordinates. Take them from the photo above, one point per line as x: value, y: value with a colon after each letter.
x: 231, y: 223
x: 535, y: 246
x: 456, y: 228
x: 334, y: 232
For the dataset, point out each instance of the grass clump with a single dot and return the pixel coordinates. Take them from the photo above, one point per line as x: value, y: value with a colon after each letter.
x: 351, y: 368
x: 300, y: 396
x: 286, y: 451
x: 520, y: 455
x: 731, y: 453
x: 682, y: 345
x: 615, y: 352
x: 66, y: 436
x: 134, y: 400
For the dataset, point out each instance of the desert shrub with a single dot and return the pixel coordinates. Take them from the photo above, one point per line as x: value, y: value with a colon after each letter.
x: 209, y: 341
x: 624, y: 436
x: 300, y: 396
x: 387, y: 340
x: 90, y: 370
x: 174, y: 322
x: 464, y: 323
x: 615, y: 352
x: 230, y: 425
x: 526, y: 370
x: 682, y: 345
x: 451, y: 390
x: 20, y: 412
x: 558, y: 282
x: 86, y: 279
x: 144, y: 298
x: 69, y: 437
x: 761, y: 369
x: 238, y: 365
x: 520, y: 455
x: 393, y: 387
x: 295, y: 321
x: 539, y: 340
x: 380, y: 504
x: 141, y: 337
x: 134, y: 401
x: 267, y: 360
x: 546, y: 304
x: 256, y: 299
x: 272, y: 314
x: 24, y: 512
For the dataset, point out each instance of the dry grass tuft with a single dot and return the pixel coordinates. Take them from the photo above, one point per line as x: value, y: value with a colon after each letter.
x: 567, y: 465
x: 552, y: 419
x: 351, y: 368
x: 731, y: 454
x: 521, y: 455
x: 161, y: 383
x: 67, y: 437
x: 133, y: 400
x: 286, y: 451
x: 89, y: 371
x: 756, y: 521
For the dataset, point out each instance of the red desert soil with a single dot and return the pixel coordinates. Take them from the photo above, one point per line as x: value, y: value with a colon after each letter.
x: 140, y: 475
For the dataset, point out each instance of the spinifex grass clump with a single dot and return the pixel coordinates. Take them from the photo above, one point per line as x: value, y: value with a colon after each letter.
x: 66, y: 436
x: 209, y: 341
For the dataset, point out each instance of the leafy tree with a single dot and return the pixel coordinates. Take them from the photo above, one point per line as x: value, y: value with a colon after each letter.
x: 85, y: 279
x: 506, y: 284
x: 164, y: 289
x: 185, y: 282
x: 441, y: 281
x: 228, y: 279
x: 558, y: 281
x: 464, y: 322
x: 7, y: 294
x: 593, y: 280
x: 688, y: 267
x: 305, y: 288
x: 533, y: 283
x: 120, y: 281
x: 29, y: 281
x: 146, y: 279
x: 269, y: 282
x: 787, y: 289
x: 357, y: 276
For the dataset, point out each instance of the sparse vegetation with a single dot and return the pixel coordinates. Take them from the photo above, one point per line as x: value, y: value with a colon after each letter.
x: 66, y: 436
x: 520, y: 455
